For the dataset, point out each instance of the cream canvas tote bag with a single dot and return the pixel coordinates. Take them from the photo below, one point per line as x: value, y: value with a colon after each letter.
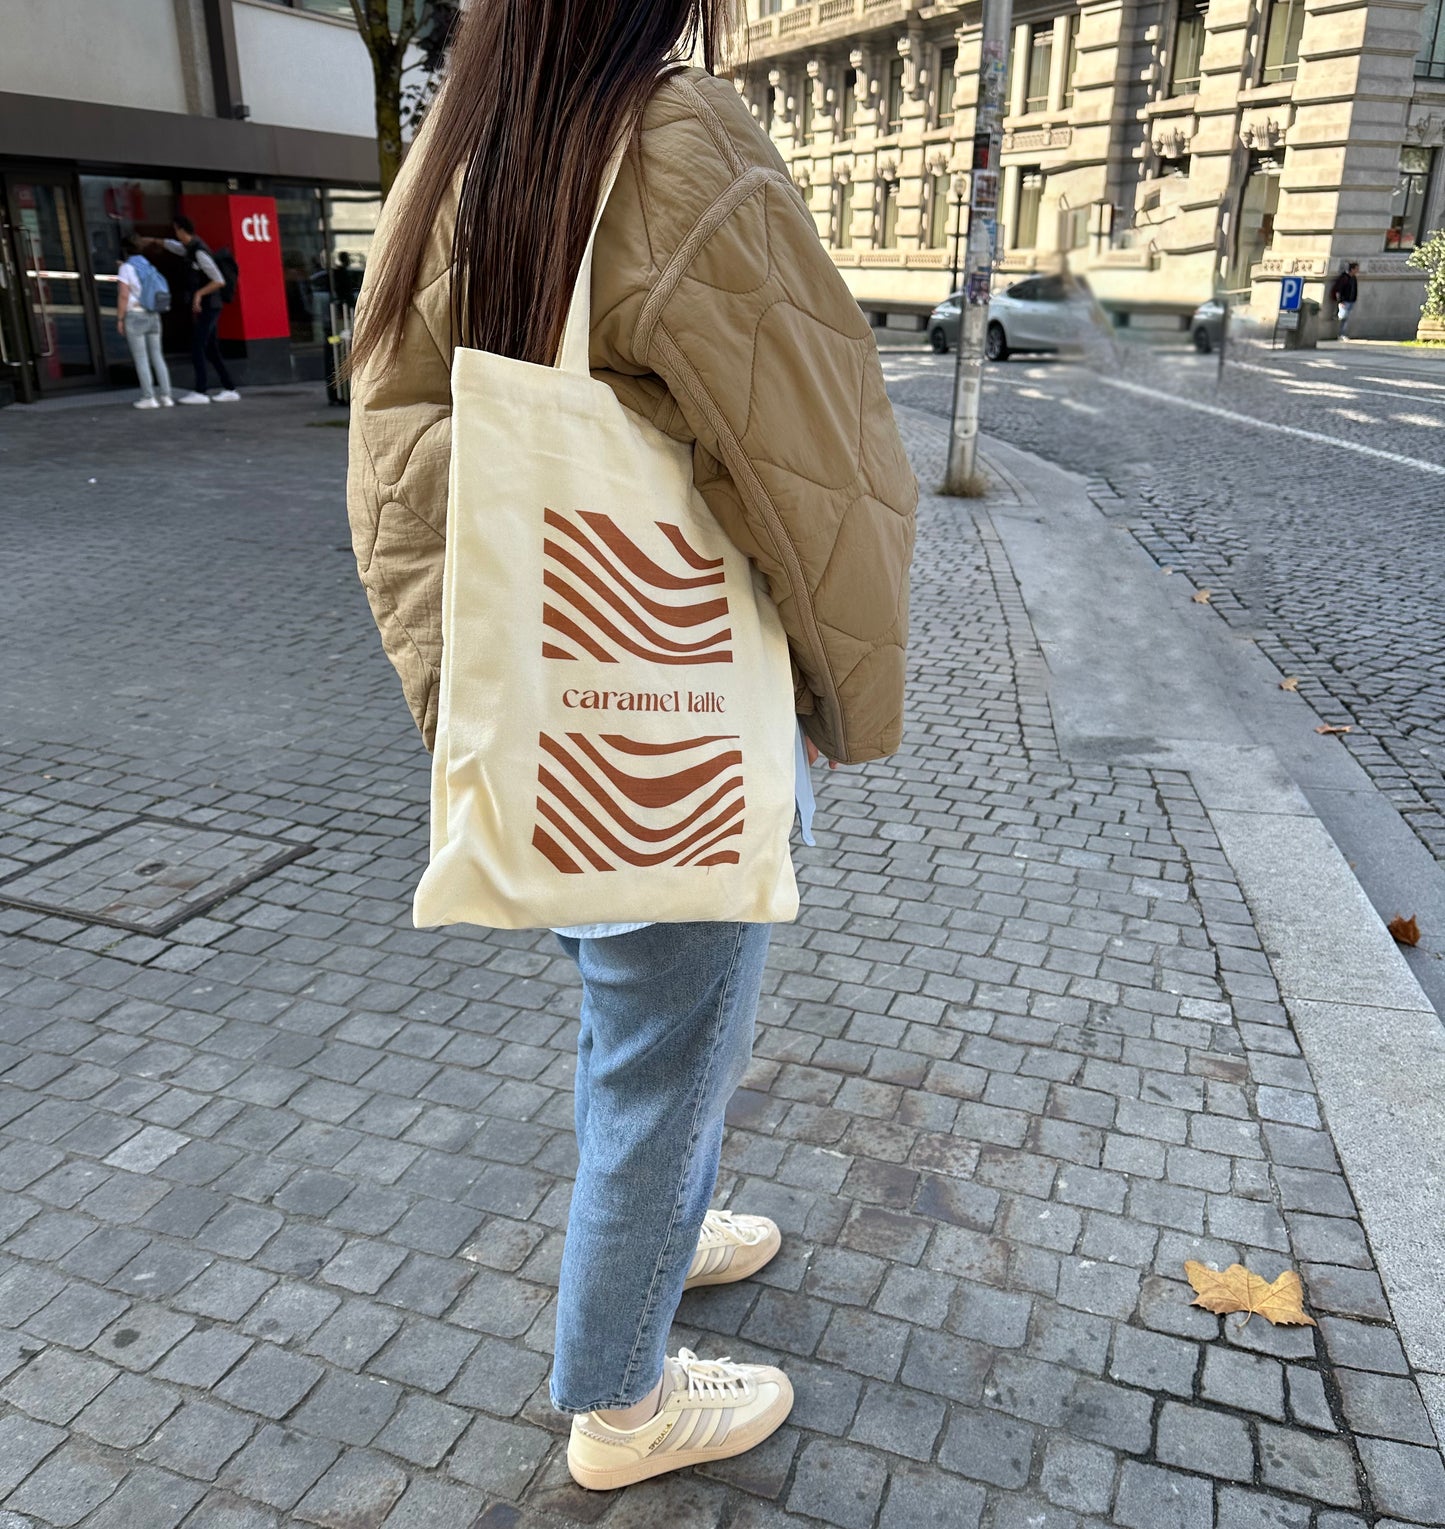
x: 615, y: 739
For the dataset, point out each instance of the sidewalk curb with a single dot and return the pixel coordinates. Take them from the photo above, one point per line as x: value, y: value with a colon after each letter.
x: 1369, y: 1033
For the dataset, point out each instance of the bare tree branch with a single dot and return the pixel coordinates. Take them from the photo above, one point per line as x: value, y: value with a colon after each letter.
x: 407, y: 30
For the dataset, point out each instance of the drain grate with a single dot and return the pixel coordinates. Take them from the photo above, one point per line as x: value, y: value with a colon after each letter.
x: 147, y: 876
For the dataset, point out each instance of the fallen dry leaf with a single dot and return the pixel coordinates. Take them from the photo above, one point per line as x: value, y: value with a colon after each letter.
x: 1405, y: 930
x: 1292, y: 683
x: 1329, y: 729
x: 1167, y: 572
x: 1281, y: 1303
x: 1202, y: 596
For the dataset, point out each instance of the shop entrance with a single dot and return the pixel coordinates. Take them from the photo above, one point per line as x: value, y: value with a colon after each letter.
x: 52, y: 328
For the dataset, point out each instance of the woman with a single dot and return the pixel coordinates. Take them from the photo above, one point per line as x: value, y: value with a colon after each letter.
x: 140, y: 324
x: 719, y: 317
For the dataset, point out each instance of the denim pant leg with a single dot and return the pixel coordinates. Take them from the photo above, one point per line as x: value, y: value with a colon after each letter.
x: 667, y: 1033
x: 137, y: 333
x: 156, y: 352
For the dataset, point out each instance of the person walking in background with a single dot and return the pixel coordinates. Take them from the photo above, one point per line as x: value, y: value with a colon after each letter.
x: 1346, y: 293
x: 719, y: 318
x: 207, y: 283
x: 143, y: 294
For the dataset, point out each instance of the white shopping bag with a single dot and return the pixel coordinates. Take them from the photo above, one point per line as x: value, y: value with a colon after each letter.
x: 615, y: 739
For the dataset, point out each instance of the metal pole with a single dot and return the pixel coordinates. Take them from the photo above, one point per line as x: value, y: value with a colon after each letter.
x: 957, y: 240
x: 980, y: 248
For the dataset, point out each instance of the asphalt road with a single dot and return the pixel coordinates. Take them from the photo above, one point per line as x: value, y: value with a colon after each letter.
x: 1306, y: 491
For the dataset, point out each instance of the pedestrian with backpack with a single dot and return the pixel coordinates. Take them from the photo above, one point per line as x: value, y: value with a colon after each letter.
x: 208, y: 284
x: 143, y: 294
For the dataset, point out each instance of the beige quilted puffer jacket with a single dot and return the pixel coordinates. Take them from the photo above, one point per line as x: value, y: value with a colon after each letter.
x: 717, y: 315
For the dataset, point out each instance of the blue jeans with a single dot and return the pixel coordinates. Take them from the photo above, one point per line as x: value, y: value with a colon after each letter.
x: 143, y: 335
x: 667, y: 1031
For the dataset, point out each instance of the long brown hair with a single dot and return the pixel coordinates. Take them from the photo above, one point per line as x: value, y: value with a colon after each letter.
x: 536, y: 94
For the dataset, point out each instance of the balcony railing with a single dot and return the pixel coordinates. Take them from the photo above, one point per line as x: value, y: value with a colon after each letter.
x: 837, y: 14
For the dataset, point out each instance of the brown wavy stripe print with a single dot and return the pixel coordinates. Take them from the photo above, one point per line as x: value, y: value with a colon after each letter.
x: 608, y: 802
x: 607, y: 599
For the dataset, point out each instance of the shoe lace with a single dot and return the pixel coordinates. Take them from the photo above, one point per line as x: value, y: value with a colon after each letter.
x: 711, y: 1379
x: 724, y: 1220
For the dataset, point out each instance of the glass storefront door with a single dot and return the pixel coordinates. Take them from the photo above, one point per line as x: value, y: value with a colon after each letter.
x: 55, y: 290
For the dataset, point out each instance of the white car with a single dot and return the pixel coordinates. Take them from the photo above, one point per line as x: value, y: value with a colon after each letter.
x: 1042, y: 313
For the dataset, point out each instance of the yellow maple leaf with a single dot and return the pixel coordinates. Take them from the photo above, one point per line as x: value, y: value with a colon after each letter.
x: 1281, y: 1302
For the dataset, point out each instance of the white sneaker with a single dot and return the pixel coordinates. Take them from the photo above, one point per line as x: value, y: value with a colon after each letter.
x: 168, y: 402
x: 731, y: 1248
x: 145, y: 403
x: 193, y: 398
x: 226, y: 395
x: 711, y: 1410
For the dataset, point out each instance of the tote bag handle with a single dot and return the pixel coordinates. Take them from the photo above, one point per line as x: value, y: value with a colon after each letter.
x: 575, y: 351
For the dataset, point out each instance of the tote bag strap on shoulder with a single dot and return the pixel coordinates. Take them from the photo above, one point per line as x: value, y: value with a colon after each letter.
x: 575, y: 350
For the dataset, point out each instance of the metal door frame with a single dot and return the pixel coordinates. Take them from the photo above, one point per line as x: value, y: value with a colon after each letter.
x: 67, y: 184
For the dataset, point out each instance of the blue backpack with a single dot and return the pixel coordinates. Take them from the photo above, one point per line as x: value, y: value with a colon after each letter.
x: 155, y: 290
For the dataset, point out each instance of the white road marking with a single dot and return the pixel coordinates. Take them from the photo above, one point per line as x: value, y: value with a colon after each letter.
x: 1430, y: 421
x: 1312, y: 386
x: 1437, y: 469
x: 1405, y: 382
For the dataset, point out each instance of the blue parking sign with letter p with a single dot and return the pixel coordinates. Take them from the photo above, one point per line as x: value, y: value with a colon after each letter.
x: 1291, y: 289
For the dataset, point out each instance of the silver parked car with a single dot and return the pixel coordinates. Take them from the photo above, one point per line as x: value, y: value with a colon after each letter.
x: 1206, y: 328
x: 1041, y: 313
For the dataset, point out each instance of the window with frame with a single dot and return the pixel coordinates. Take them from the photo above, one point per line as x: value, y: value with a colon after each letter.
x: 1188, y: 47
x: 1430, y: 61
x: 848, y: 106
x: 1040, y: 66
x: 1410, y: 198
x: 769, y: 8
x: 893, y: 105
x: 1026, y: 208
x: 940, y: 185
x: 888, y: 216
x: 947, y: 87
x: 1282, y: 40
x: 1071, y: 58
x: 843, y: 233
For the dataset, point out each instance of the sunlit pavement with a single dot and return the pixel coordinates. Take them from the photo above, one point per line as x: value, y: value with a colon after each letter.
x: 286, y: 1180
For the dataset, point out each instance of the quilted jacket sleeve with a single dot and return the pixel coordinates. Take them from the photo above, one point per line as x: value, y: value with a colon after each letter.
x: 766, y: 355
x: 401, y: 416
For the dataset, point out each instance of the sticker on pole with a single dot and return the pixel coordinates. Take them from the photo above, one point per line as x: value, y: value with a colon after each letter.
x: 1291, y: 290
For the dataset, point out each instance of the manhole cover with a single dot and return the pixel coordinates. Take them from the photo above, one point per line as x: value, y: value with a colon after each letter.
x: 147, y: 876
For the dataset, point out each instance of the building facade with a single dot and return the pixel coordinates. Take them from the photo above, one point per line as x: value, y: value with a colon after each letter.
x: 115, y: 115
x: 1164, y: 149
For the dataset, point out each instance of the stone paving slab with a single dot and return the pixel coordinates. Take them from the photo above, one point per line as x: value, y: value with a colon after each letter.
x: 285, y: 1189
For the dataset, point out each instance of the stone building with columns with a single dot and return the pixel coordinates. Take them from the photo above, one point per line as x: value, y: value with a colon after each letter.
x: 1164, y: 149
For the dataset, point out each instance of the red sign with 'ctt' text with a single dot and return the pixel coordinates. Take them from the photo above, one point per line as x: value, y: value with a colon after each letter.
x: 247, y: 226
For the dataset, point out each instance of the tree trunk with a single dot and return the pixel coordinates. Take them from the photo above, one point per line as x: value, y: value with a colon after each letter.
x: 388, y: 126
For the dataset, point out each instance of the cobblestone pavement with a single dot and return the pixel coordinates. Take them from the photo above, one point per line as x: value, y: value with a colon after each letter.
x: 285, y: 1183
x: 1332, y: 559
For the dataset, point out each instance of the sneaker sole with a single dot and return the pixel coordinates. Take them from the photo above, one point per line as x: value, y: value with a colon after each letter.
x: 746, y: 1262
x: 739, y: 1442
